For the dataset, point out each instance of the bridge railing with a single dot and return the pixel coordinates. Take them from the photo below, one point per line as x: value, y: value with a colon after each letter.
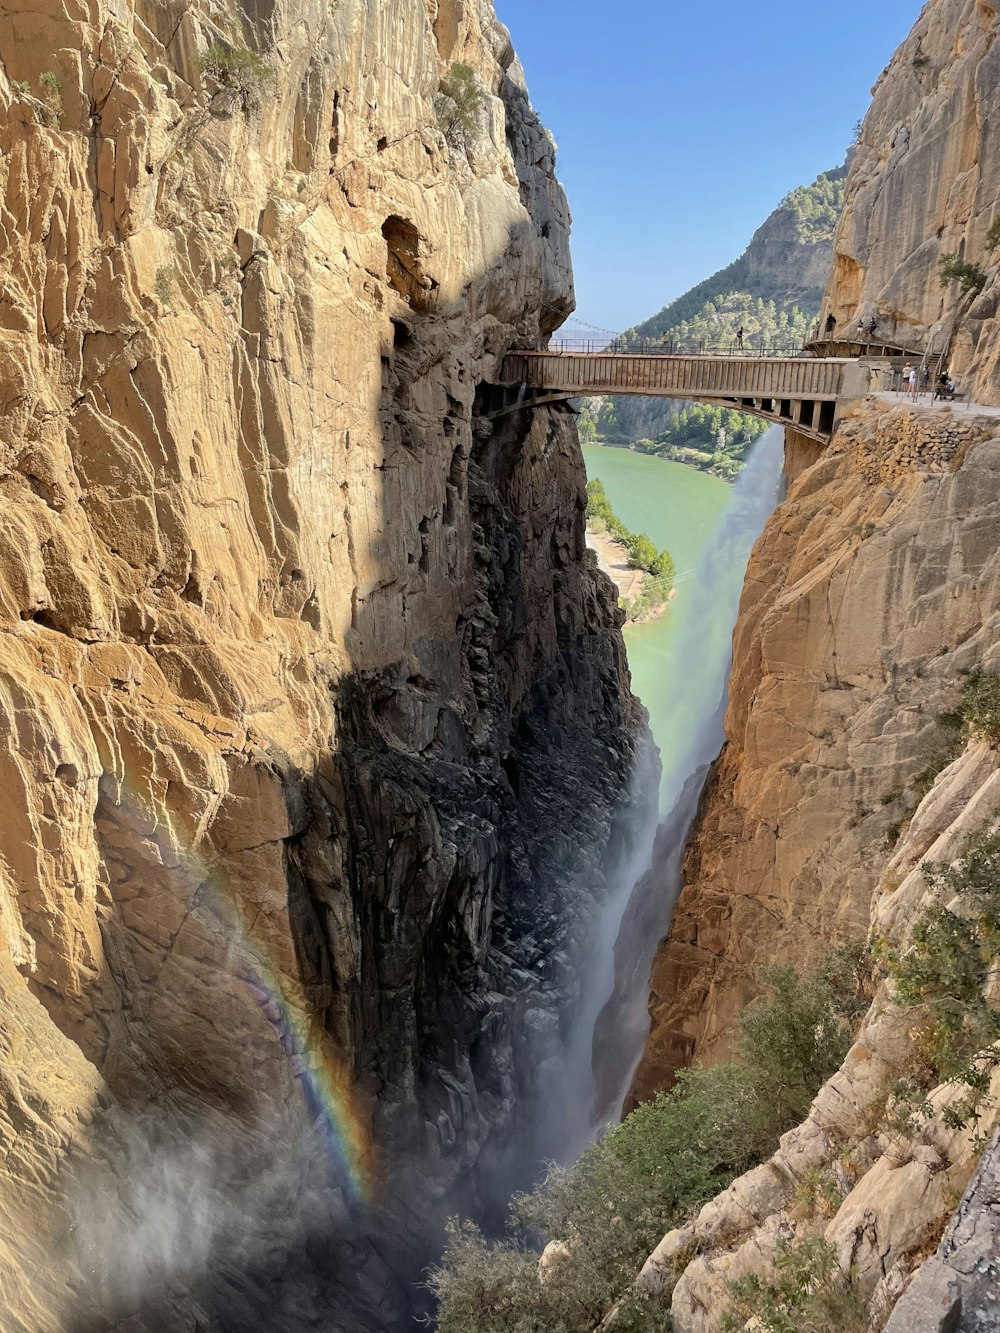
x: 673, y: 347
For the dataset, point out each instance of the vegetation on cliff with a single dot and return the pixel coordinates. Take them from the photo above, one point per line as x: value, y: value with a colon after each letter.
x: 944, y: 977
x: 642, y: 554
x: 651, y: 1172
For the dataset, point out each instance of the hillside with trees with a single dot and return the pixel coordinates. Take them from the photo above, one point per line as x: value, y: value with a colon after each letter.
x: 773, y: 291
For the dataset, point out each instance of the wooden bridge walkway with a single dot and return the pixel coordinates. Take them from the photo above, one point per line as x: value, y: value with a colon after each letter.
x: 804, y: 392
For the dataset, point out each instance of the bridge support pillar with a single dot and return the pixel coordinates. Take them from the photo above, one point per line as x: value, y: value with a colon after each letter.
x: 800, y: 453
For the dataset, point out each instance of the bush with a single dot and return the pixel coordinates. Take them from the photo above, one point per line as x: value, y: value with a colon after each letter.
x: 793, y: 1037
x: 51, y: 95
x: 642, y: 554
x: 993, y: 236
x: 968, y: 276
x: 979, y: 708
x: 944, y: 973
x: 166, y: 275
x: 239, y: 70
x: 663, y: 567
x: 809, y: 1294
x: 650, y: 1174
x: 457, y: 105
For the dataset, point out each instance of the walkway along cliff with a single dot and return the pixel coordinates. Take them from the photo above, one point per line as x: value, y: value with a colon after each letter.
x: 314, y: 716
x: 872, y: 594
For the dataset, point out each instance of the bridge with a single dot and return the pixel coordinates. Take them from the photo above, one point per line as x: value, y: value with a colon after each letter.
x: 802, y: 391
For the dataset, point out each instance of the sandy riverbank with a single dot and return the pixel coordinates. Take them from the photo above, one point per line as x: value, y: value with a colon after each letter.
x: 613, y: 559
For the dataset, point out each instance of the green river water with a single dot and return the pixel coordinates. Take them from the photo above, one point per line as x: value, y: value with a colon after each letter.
x: 680, y: 508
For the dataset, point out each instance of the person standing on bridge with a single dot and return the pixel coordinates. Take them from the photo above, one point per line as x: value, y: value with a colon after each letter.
x: 831, y: 324
x: 739, y: 338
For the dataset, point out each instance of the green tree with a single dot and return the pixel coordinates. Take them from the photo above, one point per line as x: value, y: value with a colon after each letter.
x: 458, y: 104
x: 642, y: 552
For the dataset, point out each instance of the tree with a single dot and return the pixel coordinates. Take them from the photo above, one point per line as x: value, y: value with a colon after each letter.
x: 457, y: 105
x: 642, y: 553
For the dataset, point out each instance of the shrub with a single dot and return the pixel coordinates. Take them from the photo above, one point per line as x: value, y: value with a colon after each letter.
x: 968, y: 276
x: 650, y: 1174
x: 642, y: 553
x: 809, y: 1293
x: 239, y: 70
x: 979, y: 708
x: 457, y: 105
x: 663, y: 567
x: 51, y: 95
x: 993, y: 236
x: 166, y: 275
x: 944, y: 973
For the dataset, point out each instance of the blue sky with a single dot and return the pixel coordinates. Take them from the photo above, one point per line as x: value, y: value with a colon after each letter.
x: 682, y: 125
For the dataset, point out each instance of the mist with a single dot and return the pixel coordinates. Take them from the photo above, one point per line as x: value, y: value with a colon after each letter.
x: 612, y: 1022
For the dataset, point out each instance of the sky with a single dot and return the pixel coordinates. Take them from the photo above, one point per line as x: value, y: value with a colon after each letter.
x: 681, y: 126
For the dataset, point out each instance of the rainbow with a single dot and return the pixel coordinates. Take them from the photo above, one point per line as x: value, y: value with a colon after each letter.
x: 325, y: 1084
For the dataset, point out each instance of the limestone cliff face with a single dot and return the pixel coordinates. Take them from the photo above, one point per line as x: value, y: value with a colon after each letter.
x: 924, y: 182
x: 313, y: 713
x: 874, y: 584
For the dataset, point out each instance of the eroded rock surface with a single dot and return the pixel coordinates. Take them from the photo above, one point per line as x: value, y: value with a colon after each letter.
x: 924, y: 183
x: 314, y: 714
x: 875, y: 583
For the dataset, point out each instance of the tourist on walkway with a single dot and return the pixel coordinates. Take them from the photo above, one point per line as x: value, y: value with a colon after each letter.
x: 872, y: 326
x: 831, y: 324
x: 904, y: 379
x: 914, y: 383
x: 860, y: 331
x: 739, y: 338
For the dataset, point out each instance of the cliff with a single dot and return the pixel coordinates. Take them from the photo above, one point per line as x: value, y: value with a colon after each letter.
x: 873, y: 586
x: 924, y: 184
x: 315, y: 716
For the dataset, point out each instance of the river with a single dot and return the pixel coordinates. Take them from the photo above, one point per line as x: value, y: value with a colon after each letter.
x: 680, y: 508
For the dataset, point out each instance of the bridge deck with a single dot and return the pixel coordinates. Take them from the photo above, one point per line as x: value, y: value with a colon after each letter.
x: 697, y: 377
x: 796, y: 391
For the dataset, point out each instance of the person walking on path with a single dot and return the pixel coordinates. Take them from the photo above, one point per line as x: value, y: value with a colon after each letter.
x: 739, y: 338
x: 831, y: 324
x: 904, y: 379
x: 914, y: 383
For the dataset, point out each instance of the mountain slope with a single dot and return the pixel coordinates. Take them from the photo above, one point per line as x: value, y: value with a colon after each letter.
x: 773, y: 290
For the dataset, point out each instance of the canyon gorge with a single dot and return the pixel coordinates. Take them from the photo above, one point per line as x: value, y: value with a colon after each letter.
x: 320, y: 768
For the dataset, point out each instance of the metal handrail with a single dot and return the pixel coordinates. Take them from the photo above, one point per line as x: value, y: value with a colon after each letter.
x: 845, y: 348
x: 670, y: 347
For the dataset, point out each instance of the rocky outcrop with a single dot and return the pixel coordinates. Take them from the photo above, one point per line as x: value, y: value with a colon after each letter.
x: 314, y: 714
x: 924, y: 183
